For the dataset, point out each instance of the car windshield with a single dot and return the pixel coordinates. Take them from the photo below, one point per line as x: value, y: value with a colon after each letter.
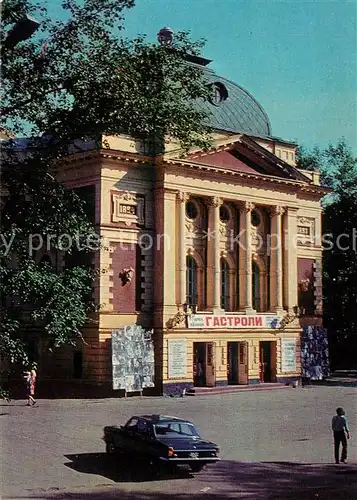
x: 175, y: 429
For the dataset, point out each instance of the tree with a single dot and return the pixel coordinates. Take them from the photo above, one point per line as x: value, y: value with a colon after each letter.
x: 82, y: 81
x: 339, y: 169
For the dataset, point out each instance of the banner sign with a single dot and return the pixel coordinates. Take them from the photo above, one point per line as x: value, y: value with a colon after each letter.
x: 288, y: 355
x: 235, y: 321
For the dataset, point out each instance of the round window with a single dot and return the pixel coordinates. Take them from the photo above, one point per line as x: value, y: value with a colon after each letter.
x: 191, y: 210
x: 223, y: 214
x: 255, y: 218
x: 219, y: 94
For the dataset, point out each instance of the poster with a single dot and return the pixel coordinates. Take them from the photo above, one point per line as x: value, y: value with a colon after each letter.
x: 314, y: 353
x: 133, y: 366
x: 288, y: 355
x: 177, y: 358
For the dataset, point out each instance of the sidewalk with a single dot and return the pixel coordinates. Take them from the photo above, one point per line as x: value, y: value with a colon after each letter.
x: 345, y: 378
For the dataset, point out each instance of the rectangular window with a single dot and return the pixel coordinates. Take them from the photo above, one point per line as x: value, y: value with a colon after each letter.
x: 191, y: 281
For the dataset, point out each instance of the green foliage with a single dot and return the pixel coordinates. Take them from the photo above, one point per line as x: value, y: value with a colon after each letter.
x: 339, y: 169
x: 309, y: 160
x: 74, y: 80
x: 88, y: 81
x: 336, y: 164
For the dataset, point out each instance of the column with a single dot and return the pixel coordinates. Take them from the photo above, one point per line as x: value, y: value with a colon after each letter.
x: 182, y: 200
x: 276, y: 260
x: 247, y: 212
x: 214, y: 252
x: 217, y: 202
x: 290, y: 259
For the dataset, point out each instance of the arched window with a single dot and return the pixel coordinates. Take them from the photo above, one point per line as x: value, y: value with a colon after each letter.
x: 224, y: 285
x: 256, y: 287
x: 191, y: 281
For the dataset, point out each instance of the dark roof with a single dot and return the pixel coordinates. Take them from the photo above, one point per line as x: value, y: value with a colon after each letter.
x: 238, y: 112
x: 161, y: 418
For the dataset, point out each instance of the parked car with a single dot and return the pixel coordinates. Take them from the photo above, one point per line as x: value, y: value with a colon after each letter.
x: 161, y: 440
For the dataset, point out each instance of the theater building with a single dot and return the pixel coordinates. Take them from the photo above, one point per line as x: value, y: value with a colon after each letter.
x: 218, y: 252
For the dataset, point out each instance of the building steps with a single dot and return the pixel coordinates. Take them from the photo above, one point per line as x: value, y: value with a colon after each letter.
x: 206, y: 391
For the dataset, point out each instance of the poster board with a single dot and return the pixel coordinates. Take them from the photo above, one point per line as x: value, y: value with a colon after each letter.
x: 288, y: 355
x: 133, y: 364
x: 177, y: 358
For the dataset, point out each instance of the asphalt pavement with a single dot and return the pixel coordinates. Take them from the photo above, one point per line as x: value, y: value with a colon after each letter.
x: 274, y: 445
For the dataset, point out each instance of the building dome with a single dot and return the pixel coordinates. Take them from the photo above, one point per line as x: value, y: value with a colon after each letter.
x: 232, y: 108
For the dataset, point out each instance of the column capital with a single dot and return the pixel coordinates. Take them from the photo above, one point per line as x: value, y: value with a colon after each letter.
x: 246, y: 206
x: 182, y: 197
x: 215, y: 201
x: 276, y: 210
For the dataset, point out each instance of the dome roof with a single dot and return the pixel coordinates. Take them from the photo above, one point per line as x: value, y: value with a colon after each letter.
x: 232, y: 108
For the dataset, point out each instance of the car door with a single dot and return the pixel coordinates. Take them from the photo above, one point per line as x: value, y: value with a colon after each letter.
x: 128, y: 435
x: 143, y: 442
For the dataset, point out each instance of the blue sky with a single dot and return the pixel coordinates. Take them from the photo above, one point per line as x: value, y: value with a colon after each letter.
x: 298, y: 58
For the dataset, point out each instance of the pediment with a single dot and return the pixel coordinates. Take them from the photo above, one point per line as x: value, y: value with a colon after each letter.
x: 243, y: 154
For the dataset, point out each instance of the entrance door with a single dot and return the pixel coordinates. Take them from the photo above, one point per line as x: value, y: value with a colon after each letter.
x: 232, y: 362
x: 237, y: 363
x: 199, y: 363
x: 267, y: 361
x: 210, y: 364
x: 243, y: 363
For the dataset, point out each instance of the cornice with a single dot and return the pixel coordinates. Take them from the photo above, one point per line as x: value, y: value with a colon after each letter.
x: 126, y: 157
x: 260, y: 177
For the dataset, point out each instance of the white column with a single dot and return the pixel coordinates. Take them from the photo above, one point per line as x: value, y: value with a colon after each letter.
x: 247, y: 210
x: 290, y: 259
x: 276, y: 274
x: 216, y: 203
x: 182, y: 200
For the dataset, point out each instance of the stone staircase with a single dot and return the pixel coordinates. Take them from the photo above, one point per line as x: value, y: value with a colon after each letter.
x: 226, y: 389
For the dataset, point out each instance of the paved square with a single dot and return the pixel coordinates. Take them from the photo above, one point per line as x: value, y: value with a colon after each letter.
x: 274, y: 444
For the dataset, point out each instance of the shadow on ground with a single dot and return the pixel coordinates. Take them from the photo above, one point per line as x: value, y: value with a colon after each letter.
x: 226, y: 480
x: 120, y: 469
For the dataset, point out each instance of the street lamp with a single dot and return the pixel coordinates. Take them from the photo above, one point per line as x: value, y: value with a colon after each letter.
x: 23, y: 29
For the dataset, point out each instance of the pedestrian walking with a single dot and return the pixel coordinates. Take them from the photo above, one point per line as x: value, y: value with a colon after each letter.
x: 30, y: 380
x: 340, y: 433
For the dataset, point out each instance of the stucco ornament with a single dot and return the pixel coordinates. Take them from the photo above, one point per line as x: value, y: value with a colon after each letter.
x: 304, y: 285
x: 126, y: 275
x: 180, y: 316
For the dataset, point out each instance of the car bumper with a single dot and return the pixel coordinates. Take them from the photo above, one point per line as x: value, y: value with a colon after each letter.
x: 203, y: 460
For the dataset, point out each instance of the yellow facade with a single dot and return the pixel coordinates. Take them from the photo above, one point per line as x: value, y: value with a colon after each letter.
x: 240, y: 191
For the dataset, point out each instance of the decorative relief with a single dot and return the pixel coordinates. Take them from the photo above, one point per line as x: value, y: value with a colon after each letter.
x: 128, y: 208
x: 257, y: 238
x: 306, y: 230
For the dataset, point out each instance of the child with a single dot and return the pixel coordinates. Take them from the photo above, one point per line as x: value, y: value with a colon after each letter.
x: 339, y: 426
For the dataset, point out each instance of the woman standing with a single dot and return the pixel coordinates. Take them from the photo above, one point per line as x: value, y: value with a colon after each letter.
x: 30, y: 378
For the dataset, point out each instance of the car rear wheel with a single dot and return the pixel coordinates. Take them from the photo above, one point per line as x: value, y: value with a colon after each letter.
x: 196, y: 467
